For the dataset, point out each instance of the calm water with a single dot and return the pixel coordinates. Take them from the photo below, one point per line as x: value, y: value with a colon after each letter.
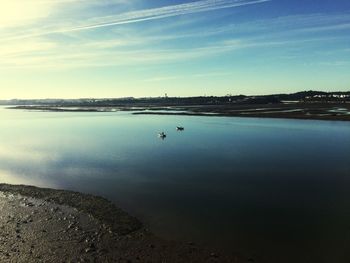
x: 278, y: 189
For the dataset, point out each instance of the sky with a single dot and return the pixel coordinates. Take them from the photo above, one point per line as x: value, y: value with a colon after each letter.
x: 146, y: 48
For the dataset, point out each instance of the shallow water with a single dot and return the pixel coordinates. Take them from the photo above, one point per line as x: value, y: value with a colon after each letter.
x: 274, y: 189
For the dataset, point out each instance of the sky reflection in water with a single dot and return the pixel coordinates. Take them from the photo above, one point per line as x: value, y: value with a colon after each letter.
x: 270, y: 187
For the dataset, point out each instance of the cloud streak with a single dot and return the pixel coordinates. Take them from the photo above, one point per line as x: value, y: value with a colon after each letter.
x: 139, y: 16
x: 84, y: 56
x: 168, y: 11
x: 130, y: 46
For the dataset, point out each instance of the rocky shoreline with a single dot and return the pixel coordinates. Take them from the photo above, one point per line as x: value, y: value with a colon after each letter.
x: 46, y: 225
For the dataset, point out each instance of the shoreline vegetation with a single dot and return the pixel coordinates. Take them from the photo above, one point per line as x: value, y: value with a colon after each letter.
x: 301, y: 105
x: 47, y: 225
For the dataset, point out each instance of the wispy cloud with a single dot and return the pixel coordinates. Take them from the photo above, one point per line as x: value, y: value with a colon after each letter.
x: 135, y: 51
x: 164, y: 12
x: 289, y: 24
x: 162, y: 78
x: 75, y: 46
x: 83, y: 56
x: 191, y: 76
x: 133, y: 17
x: 335, y: 63
x: 335, y: 27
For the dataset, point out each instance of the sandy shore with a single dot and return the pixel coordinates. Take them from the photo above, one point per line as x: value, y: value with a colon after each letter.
x: 45, y: 225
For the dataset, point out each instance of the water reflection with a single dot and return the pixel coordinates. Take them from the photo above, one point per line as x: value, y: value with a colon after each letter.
x: 257, y: 186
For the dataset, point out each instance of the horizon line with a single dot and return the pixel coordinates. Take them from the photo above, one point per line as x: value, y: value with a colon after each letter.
x: 165, y: 96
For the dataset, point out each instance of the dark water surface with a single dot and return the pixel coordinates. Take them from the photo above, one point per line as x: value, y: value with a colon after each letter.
x: 276, y: 189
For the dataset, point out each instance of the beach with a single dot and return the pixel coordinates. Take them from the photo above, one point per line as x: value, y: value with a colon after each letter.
x: 46, y: 225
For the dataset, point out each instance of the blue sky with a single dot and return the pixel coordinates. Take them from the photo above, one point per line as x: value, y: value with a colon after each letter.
x: 118, y: 48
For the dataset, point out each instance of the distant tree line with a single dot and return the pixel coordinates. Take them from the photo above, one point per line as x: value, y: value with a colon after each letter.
x: 304, y: 96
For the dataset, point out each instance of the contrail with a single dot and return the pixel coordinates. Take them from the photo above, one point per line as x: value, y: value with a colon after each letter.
x: 164, y: 12
x: 142, y: 15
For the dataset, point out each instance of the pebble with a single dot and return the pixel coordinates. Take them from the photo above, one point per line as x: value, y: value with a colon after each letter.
x: 28, y: 204
x: 55, y: 209
x: 89, y: 249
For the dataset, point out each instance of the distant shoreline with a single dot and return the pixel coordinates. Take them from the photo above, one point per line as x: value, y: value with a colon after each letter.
x: 297, y: 110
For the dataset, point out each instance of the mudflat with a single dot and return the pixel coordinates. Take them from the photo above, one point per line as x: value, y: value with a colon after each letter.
x: 46, y: 225
x: 296, y: 110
